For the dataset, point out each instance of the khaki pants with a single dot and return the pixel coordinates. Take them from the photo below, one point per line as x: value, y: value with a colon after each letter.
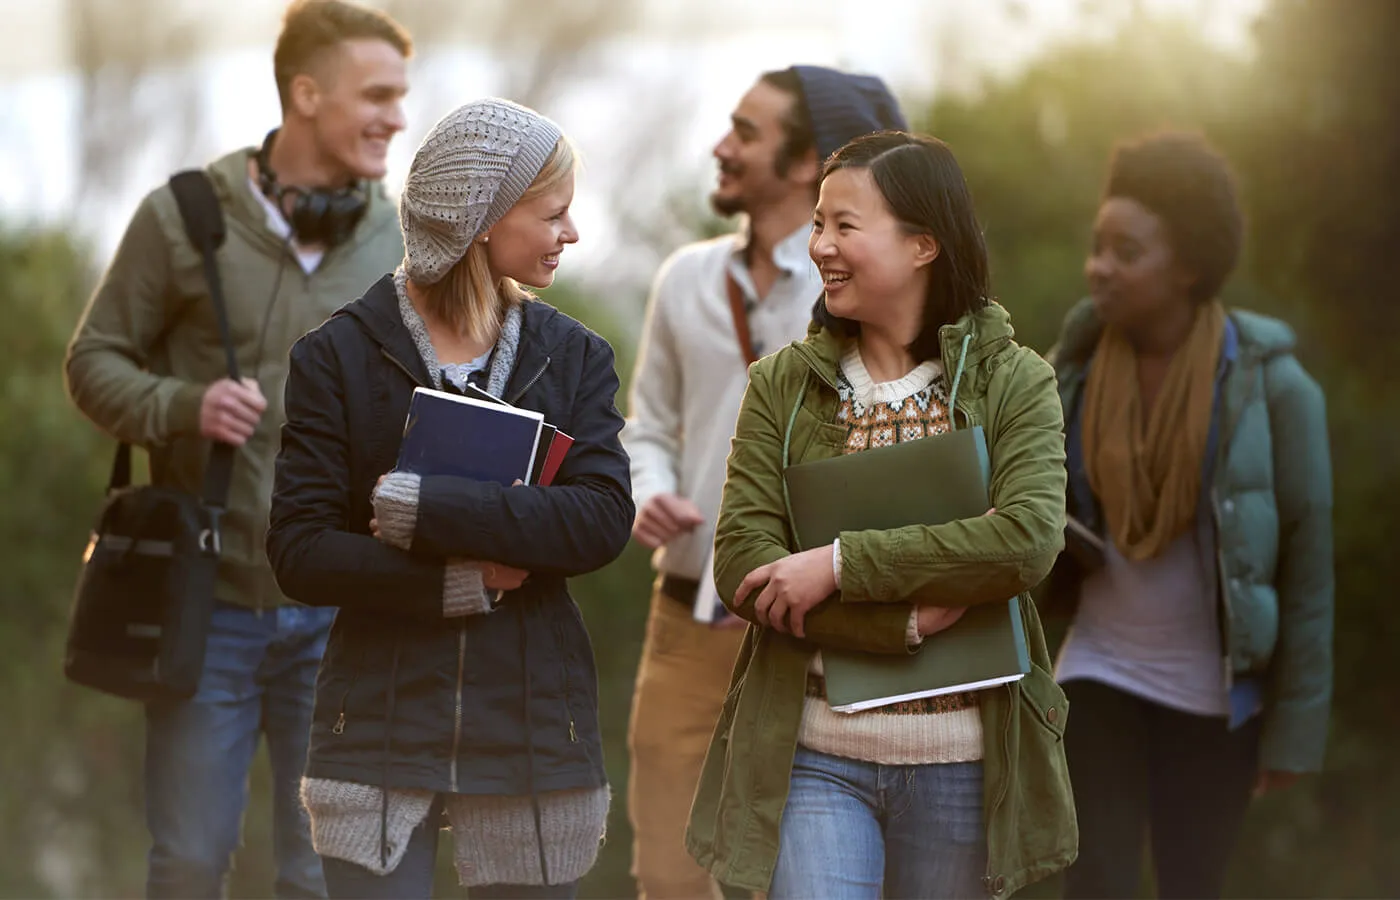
x: 681, y: 685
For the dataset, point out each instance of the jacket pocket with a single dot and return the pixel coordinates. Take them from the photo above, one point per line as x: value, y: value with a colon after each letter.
x: 1042, y: 800
x: 1045, y: 702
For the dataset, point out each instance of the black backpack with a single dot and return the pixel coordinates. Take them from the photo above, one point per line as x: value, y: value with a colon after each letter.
x: 145, y: 595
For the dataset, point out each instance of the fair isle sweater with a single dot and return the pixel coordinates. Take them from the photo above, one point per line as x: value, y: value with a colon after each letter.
x: 943, y: 729
x: 496, y: 839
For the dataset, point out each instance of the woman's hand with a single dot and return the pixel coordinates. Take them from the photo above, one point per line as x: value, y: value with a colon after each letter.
x: 794, y: 584
x: 933, y: 619
x: 500, y: 577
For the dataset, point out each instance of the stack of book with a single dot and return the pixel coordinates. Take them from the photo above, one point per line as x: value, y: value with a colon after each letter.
x: 478, y: 436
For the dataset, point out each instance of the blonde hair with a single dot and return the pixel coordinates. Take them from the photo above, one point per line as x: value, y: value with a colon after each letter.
x: 467, y: 299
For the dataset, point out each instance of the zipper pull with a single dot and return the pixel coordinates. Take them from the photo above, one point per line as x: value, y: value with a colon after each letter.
x: 573, y: 735
x: 339, y: 727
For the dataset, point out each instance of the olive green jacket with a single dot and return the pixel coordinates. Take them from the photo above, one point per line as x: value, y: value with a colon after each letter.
x: 148, y: 345
x: 1010, y: 392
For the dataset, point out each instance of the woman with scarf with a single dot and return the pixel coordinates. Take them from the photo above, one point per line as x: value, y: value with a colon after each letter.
x: 1199, y: 660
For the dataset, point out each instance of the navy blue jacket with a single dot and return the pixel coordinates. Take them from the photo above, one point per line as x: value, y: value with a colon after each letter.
x: 500, y: 703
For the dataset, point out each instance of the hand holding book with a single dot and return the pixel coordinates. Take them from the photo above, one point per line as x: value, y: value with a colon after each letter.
x: 791, y: 586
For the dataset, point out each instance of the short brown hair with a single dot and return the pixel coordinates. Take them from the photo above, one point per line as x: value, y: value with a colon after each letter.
x: 311, y: 27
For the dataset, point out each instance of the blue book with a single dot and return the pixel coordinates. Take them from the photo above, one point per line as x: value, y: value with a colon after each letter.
x: 449, y: 434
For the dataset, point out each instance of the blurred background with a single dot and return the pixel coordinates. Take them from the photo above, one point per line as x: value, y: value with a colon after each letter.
x: 101, y: 99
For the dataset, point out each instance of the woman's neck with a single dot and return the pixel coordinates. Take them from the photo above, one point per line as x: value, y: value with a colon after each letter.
x: 453, y: 344
x: 886, y: 357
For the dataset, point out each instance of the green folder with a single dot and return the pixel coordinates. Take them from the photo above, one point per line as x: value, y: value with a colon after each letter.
x: 929, y: 481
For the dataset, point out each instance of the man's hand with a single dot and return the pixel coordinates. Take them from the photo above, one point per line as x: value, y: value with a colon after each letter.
x: 794, y: 584
x: 663, y: 518
x: 231, y: 410
x: 933, y: 619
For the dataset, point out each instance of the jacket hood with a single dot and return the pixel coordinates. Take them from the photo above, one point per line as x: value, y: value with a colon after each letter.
x: 1259, y: 335
x: 985, y: 333
x: 542, y: 327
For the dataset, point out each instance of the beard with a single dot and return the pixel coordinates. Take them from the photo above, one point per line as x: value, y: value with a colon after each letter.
x: 727, y: 206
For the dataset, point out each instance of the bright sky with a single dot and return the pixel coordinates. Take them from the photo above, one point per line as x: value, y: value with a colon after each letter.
x: 688, y: 57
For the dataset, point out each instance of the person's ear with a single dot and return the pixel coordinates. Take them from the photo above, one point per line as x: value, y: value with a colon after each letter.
x: 926, y: 249
x: 806, y: 169
x: 305, y: 95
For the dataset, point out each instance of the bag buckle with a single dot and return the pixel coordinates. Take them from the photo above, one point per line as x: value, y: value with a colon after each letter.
x: 209, y: 541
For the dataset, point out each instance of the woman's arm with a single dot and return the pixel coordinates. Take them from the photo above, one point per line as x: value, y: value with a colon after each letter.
x: 316, y: 559
x: 1299, y: 693
x: 576, y: 525
x: 988, y: 558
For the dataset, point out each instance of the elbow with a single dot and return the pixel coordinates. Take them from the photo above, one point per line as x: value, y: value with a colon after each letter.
x: 287, y: 555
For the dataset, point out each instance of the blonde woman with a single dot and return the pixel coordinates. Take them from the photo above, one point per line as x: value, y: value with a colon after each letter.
x: 432, y: 700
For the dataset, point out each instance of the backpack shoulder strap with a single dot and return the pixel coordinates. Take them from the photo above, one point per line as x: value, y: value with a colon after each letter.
x: 204, y: 223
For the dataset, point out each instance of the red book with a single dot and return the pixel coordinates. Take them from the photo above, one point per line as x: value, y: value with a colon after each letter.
x: 554, y: 456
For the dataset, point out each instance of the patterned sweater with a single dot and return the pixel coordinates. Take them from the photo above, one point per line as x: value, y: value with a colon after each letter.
x: 934, y: 730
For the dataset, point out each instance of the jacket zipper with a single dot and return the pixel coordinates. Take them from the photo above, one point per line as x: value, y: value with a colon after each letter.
x: 531, y: 383
x: 1012, y: 697
x: 457, y: 712
x: 403, y: 368
x: 1222, y: 455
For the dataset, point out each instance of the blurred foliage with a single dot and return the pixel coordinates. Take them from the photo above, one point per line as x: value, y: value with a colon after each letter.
x: 1310, y: 125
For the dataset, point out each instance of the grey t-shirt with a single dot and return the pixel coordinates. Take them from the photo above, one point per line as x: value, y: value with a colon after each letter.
x: 1151, y: 628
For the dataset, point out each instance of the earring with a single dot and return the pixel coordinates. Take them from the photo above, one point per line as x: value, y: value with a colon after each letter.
x: 486, y: 238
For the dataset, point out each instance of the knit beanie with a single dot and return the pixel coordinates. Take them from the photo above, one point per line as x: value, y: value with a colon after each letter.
x: 843, y: 107
x: 474, y: 165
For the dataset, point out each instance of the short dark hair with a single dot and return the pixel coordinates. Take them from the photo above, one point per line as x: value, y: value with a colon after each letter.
x: 798, y: 135
x: 1186, y: 183
x: 311, y: 27
x: 924, y: 188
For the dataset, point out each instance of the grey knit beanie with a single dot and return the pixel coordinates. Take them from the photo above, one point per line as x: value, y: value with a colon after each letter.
x: 475, y: 164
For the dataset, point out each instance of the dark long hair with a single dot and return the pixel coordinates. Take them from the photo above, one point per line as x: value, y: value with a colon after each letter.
x: 925, y: 190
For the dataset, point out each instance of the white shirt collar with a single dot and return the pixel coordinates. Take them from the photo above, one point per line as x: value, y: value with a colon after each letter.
x: 790, y: 254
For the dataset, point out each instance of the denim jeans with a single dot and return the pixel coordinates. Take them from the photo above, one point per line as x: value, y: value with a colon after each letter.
x: 259, y: 678
x: 854, y: 829
x: 413, y: 876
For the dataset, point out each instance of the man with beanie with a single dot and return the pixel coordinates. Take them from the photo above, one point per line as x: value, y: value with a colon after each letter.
x: 308, y: 228
x: 715, y: 306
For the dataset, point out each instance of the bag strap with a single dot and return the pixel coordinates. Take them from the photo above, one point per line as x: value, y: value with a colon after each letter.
x: 741, y: 319
x: 203, y: 218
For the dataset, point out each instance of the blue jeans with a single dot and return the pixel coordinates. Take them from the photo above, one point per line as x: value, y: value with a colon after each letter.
x: 413, y: 876
x: 854, y: 829
x: 259, y: 678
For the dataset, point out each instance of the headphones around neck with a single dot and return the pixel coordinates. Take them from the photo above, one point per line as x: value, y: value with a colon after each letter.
x: 317, y: 215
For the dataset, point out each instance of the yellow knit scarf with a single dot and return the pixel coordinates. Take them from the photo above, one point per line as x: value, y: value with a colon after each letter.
x: 1147, y: 474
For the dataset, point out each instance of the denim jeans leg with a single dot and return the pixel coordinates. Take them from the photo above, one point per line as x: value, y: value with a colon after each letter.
x: 935, y: 837
x: 411, y: 879
x: 289, y: 687
x: 197, y: 756
x: 829, y: 843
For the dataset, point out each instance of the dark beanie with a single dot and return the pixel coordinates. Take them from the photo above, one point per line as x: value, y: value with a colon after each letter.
x: 843, y: 107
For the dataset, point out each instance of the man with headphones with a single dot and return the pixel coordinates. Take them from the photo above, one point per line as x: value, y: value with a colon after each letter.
x: 309, y: 227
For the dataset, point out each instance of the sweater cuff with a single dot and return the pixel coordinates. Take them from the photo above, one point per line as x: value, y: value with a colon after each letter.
x: 912, y: 638
x: 396, y: 508
x: 464, y: 590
